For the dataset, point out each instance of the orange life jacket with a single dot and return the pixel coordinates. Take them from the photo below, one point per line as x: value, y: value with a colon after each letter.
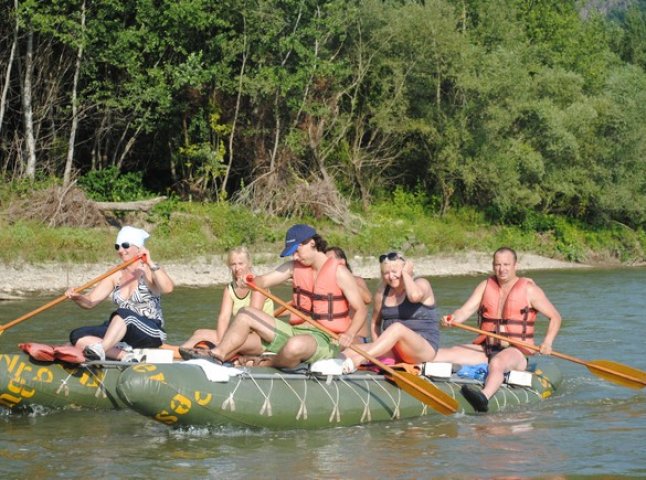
x: 322, y: 299
x: 518, y: 318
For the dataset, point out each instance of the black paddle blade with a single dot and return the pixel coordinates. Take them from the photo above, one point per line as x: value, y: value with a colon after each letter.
x: 425, y: 392
x: 617, y: 373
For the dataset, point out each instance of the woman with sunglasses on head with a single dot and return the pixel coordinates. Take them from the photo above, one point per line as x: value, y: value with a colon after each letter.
x: 405, y: 322
x: 136, y: 290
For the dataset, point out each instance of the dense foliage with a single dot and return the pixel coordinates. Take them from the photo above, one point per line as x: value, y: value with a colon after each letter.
x: 517, y: 108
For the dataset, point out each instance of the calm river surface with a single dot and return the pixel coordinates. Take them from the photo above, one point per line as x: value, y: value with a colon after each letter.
x: 590, y: 429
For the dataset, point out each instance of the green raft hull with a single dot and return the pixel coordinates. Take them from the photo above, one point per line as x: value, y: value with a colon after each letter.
x: 180, y: 395
x: 27, y: 384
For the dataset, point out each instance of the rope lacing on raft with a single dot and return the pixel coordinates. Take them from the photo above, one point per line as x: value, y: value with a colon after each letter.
x: 366, y: 416
x: 336, y: 412
x: 64, y: 386
x: 396, y: 403
x: 302, y: 411
x: 101, y: 389
x: 229, y: 403
x: 266, y: 407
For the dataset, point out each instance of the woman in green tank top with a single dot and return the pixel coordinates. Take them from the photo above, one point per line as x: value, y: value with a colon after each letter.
x: 234, y: 298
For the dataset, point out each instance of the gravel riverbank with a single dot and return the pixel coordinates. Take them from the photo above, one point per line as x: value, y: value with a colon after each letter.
x: 16, y: 281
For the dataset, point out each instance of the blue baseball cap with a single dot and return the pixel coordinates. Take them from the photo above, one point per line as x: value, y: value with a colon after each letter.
x: 296, y: 235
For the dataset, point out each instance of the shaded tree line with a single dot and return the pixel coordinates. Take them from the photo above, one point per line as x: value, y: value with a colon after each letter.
x: 516, y: 107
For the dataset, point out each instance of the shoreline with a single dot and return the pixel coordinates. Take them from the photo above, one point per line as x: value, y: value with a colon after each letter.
x: 18, y: 281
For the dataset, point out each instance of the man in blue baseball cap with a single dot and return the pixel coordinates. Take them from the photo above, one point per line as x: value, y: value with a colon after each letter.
x: 323, y: 289
x: 296, y: 235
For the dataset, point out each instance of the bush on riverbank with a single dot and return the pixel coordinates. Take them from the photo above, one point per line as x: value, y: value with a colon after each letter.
x: 401, y: 221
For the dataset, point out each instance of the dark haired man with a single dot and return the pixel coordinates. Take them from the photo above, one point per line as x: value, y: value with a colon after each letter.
x: 323, y: 289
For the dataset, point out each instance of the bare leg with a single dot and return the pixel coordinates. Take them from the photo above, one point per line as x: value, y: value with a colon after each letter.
x: 115, y: 332
x: 297, y: 349
x: 248, y: 320
x: 467, y: 354
x: 89, y: 340
x: 509, y: 359
x: 203, y: 334
x: 409, y: 345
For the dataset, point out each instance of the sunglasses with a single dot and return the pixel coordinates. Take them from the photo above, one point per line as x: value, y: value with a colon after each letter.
x: 124, y: 245
x: 390, y: 256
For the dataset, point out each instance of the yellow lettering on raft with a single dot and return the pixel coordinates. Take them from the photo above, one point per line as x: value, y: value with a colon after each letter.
x: 9, y: 401
x: 144, y: 368
x: 44, y: 375
x: 23, y: 366
x: 16, y: 385
x: 165, y: 417
x: 10, y: 360
x: 202, y: 400
x: 93, y: 379
x: 159, y: 377
x: 180, y: 404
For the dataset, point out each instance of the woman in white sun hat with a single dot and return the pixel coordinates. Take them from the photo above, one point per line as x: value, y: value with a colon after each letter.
x: 136, y: 291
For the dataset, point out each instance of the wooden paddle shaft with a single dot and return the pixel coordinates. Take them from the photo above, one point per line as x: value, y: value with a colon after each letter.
x: 280, y: 310
x: 562, y: 356
x: 62, y: 298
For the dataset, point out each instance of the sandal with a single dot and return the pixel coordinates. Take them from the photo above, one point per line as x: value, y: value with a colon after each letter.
x: 205, y: 344
x: 190, y: 353
x: 476, y: 398
x: 254, y: 360
x: 199, y: 353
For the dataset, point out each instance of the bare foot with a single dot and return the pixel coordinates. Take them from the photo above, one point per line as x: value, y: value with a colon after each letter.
x: 255, y: 360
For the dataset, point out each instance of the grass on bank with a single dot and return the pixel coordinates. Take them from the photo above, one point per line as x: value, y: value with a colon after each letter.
x: 183, y: 231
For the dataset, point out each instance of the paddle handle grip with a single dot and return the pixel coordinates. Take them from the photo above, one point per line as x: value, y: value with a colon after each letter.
x: 62, y: 298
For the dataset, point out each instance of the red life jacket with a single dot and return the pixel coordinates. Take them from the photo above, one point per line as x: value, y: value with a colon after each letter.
x: 322, y: 299
x: 518, y: 318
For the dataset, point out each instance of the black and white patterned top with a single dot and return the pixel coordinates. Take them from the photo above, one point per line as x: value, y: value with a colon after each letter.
x: 142, y: 301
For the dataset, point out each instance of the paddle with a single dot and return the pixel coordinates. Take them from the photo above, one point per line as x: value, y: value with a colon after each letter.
x: 62, y: 298
x: 612, y: 371
x: 280, y: 310
x: 414, y: 385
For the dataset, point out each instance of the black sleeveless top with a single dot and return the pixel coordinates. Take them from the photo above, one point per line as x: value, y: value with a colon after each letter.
x: 420, y: 318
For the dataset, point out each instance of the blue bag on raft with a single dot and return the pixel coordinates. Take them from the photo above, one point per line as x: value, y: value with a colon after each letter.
x: 476, y: 372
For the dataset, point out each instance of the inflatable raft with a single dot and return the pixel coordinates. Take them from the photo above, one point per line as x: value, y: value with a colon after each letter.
x: 26, y: 384
x: 198, y: 393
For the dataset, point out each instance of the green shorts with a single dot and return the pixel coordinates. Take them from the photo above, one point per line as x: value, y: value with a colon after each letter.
x: 326, y: 347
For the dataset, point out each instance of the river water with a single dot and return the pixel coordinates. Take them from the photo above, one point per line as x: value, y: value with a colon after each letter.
x: 590, y: 429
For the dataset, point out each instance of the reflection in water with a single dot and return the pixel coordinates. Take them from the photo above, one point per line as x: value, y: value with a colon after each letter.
x: 591, y: 428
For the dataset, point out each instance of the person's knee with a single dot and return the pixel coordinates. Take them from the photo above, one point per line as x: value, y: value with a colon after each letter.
x: 396, y: 330
x: 245, y: 316
x: 497, y: 364
x: 297, y: 348
x: 202, y: 332
x: 117, y: 320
